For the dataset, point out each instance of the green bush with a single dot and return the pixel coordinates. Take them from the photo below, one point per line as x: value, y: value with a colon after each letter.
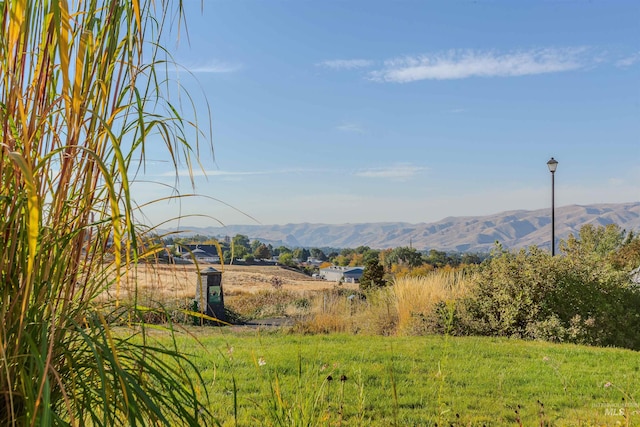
x: 577, y: 297
x: 510, y: 294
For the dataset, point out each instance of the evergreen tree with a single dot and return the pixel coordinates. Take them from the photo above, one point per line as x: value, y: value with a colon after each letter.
x: 373, y: 276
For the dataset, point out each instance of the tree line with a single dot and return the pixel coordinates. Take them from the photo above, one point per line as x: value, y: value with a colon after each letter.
x: 398, y: 261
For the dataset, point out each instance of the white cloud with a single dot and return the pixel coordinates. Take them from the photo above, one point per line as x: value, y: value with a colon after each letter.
x: 460, y: 64
x: 351, y: 127
x: 616, y: 182
x: 213, y: 67
x: 346, y: 64
x: 629, y: 61
x: 395, y: 172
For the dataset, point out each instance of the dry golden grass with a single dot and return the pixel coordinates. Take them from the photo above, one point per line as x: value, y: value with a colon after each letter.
x: 330, y: 312
x: 416, y: 297
x: 400, y: 309
x: 410, y: 306
x: 338, y: 311
x: 177, y: 283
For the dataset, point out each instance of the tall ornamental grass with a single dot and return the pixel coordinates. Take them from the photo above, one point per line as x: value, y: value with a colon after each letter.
x: 79, y: 98
x: 411, y: 306
x: 424, y: 302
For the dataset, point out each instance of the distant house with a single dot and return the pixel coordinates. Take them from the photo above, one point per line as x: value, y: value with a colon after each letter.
x: 314, y: 261
x: 344, y: 274
x: 200, y: 255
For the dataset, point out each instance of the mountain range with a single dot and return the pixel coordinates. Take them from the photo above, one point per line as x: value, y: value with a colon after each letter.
x: 513, y: 229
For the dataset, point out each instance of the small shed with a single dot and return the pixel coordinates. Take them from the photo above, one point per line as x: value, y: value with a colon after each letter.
x: 209, y: 293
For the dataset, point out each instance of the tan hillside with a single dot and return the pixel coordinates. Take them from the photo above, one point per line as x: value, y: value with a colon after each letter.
x: 513, y: 229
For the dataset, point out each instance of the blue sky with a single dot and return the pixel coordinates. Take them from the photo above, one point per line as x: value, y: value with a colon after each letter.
x: 348, y: 111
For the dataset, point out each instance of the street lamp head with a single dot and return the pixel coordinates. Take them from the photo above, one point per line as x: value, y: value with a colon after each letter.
x: 553, y: 165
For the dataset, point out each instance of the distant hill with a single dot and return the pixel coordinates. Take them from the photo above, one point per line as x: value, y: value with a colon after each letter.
x: 513, y: 229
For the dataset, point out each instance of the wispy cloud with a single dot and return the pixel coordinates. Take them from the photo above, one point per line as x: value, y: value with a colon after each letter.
x: 616, y: 182
x: 629, y: 60
x: 346, y: 64
x: 403, y: 171
x: 351, y: 127
x: 237, y: 174
x: 461, y: 64
x: 214, y: 67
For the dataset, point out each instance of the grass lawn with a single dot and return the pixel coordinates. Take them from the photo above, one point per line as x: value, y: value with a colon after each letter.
x: 282, y: 379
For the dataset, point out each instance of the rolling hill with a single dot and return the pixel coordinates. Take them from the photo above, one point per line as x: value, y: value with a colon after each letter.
x: 513, y: 229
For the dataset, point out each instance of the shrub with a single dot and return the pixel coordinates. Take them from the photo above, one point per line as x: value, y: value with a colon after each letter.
x: 509, y: 293
x: 575, y: 298
x: 598, y: 305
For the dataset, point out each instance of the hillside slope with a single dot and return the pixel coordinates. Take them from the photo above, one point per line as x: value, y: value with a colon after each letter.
x: 513, y: 229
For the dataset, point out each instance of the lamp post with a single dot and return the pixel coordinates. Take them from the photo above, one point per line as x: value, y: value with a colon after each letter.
x: 553, y: 165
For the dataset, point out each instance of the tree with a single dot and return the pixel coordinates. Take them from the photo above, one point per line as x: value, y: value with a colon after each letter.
x: 627, y: 257
x: 198, y: 238
x: 404, y: 256
x: 593, y: 242
x: 356, y: 260
x: 286, y: 259
x: 318, y: 254
x: 240, y: 252
x: 472, y: 258
x: 437, y: 258
x: 262, y: 252
x: 347, y: 252
x: 255, y: 245
x: 281, y: 250
x: 372, y: 276
x: 241, y: 241
x: 371, y: 254
x: 341, y: 260
x: 301, y: 254
x: 80, y: 110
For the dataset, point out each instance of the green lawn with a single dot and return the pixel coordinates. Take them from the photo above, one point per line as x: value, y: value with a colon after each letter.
x: 281, y: 379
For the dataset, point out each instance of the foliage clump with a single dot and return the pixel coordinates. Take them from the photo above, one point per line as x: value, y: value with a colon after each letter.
x: 580, y: 296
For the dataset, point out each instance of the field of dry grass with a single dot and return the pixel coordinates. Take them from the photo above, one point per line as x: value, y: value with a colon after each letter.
x: 167, y: 283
